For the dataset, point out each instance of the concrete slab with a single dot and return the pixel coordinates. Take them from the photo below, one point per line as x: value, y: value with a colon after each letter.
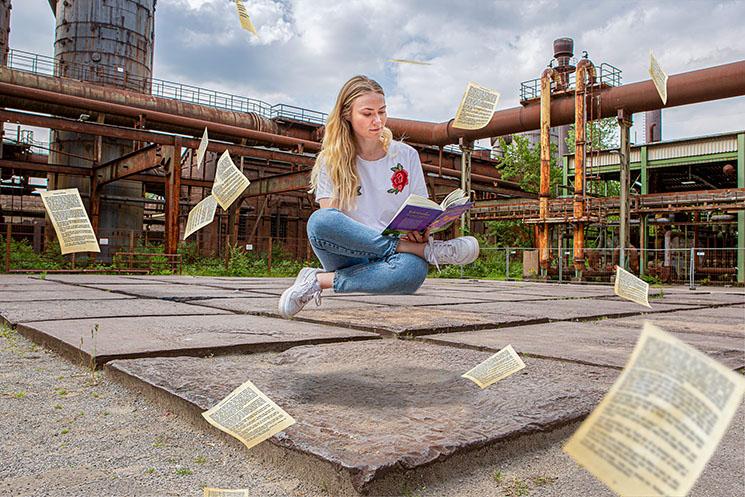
x: 181, y: 293
x: 381, y: 407
x: 62, y: 292
x: 416, y: 299
x: 414, y: 320
x: 598, y: 343
x: 716, y: 321
x: 267, y: 306
x: 83, y: 279
x: 701, y: 298
x: 21, y: 279
x: 573, y: 309
x: 133, y: 337
x: 17, y: 312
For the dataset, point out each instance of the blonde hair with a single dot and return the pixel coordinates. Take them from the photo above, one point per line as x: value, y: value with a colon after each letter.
x: 339, y: 149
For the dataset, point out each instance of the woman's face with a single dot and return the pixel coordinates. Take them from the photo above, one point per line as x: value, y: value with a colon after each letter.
x: 368, y: 116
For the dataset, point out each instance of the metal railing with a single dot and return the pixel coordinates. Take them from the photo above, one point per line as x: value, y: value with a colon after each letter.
x: 607, y: 75
x: 117, y: 76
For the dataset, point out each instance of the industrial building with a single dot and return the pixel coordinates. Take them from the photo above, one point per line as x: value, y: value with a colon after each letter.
x: 127, y: 141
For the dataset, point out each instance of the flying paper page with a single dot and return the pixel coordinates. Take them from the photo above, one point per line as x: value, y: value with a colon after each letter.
x: 629, y: 287
x: 244, y: 18
x: 229, y: 181
x: 497, y: 367
x: 201, y: 215
x: 660, y: 422
x: 476, y: 108
x: 221, y: 492
x: 70, y: 221
x: 202, y: 148
x: 659, y: 77
x: 248, y: 415
x: 409, y: 61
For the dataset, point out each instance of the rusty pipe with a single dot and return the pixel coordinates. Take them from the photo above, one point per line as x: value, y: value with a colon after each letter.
x: 703, y: 85
x: 543, y: 234
x: 95, y: 129
x: 105, y: 107
x: 585, y: 69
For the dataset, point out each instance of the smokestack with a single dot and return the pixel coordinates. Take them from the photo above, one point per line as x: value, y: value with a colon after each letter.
x: 4, y: 31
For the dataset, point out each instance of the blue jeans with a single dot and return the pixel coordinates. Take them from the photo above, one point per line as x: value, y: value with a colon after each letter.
x: 363, y: 259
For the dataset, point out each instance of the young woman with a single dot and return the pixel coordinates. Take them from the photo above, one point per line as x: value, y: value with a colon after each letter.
x: 361, y: 177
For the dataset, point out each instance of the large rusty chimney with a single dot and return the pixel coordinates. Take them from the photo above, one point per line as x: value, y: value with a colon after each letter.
x: 4, y: 31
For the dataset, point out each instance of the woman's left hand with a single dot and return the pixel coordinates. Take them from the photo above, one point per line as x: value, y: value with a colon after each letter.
x: 417, y: 237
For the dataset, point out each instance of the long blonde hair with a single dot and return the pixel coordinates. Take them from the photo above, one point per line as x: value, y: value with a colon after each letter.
x: 339, y: 149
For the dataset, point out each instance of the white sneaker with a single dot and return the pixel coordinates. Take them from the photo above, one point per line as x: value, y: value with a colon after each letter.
x: 305, y: 289
x: 461, y: 250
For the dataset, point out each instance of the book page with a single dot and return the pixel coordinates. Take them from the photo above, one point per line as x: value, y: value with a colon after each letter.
x: 476, y: 108
x: 410, y: 61
x: 659, y: 77
x: 497, y: 367
x: 221, y: 492
x: 244, y: 17
x: 248, y: 415
x: 229, y: 181
x: 449, y: 216
x: 70, y: 221
x: 201, y: 215
x: 629, y: 287
x: 202, y: 148
x: 661, y: 421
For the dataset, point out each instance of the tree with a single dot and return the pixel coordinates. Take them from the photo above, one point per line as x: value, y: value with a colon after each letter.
x: 604, y: 132
x: 522, y: 162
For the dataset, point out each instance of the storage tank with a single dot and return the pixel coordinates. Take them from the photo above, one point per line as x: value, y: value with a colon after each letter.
x: 108, y: 42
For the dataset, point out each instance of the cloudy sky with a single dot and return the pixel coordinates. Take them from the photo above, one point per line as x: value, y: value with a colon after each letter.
x: 307, y: 48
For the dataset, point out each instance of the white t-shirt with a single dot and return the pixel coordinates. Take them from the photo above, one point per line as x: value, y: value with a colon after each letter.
x: 384, y: 185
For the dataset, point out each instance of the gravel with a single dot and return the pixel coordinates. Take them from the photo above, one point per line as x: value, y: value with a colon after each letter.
x: 66, y: 432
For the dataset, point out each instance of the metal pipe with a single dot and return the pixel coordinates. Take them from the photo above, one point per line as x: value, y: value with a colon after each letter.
x: 543, y: 230
x: 703, y: 85
x: 585, y: 69
x: 63, y: 124
x: 153, y: 116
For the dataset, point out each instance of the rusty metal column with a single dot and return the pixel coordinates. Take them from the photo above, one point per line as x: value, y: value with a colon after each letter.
x: 624, y: 122
x: 5, y: 8
x: 466, y: 149
x: 584, y: 69
x: 173, y: 194
x: 543, y: 231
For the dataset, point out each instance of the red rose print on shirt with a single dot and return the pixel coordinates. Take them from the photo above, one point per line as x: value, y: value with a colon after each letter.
x: 399, y: 179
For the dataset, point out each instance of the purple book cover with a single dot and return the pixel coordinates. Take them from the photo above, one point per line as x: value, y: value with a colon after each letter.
x: 416, y: 218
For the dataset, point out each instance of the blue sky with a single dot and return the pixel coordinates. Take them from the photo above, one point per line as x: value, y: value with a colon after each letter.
x: 307, y: 48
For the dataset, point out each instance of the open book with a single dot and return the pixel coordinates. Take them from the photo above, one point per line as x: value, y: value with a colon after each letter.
x: 419, y: 213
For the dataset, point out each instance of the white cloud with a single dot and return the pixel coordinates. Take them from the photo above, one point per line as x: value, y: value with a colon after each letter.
x: 307, y: 48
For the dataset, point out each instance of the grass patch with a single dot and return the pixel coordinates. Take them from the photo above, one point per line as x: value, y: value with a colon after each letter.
x: 184, y: 472
x: 200, y: 460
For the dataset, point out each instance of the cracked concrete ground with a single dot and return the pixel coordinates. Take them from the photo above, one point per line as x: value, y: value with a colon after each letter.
x: 376, y: 413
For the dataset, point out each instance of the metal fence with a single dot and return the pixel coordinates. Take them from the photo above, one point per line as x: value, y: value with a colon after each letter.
x: 117, y: 76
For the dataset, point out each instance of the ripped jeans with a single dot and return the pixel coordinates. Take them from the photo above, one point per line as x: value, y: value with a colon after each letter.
x: 363, y: 259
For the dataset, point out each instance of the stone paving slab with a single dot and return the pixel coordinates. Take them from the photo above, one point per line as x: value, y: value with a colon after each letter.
x: 377, y: 407
x: 599, y: 343
x: 61, y: 292
x: 17, y: 312
x: 559, y: 310
x: 172, y: 291
x: 699, y: 298
x: 415, y: 299
x: 715, y: 321
x: 414, y: 320
x: 134, y: 337
x: 22, y: 279
x: 267, y: 306
x: 83, y: 279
